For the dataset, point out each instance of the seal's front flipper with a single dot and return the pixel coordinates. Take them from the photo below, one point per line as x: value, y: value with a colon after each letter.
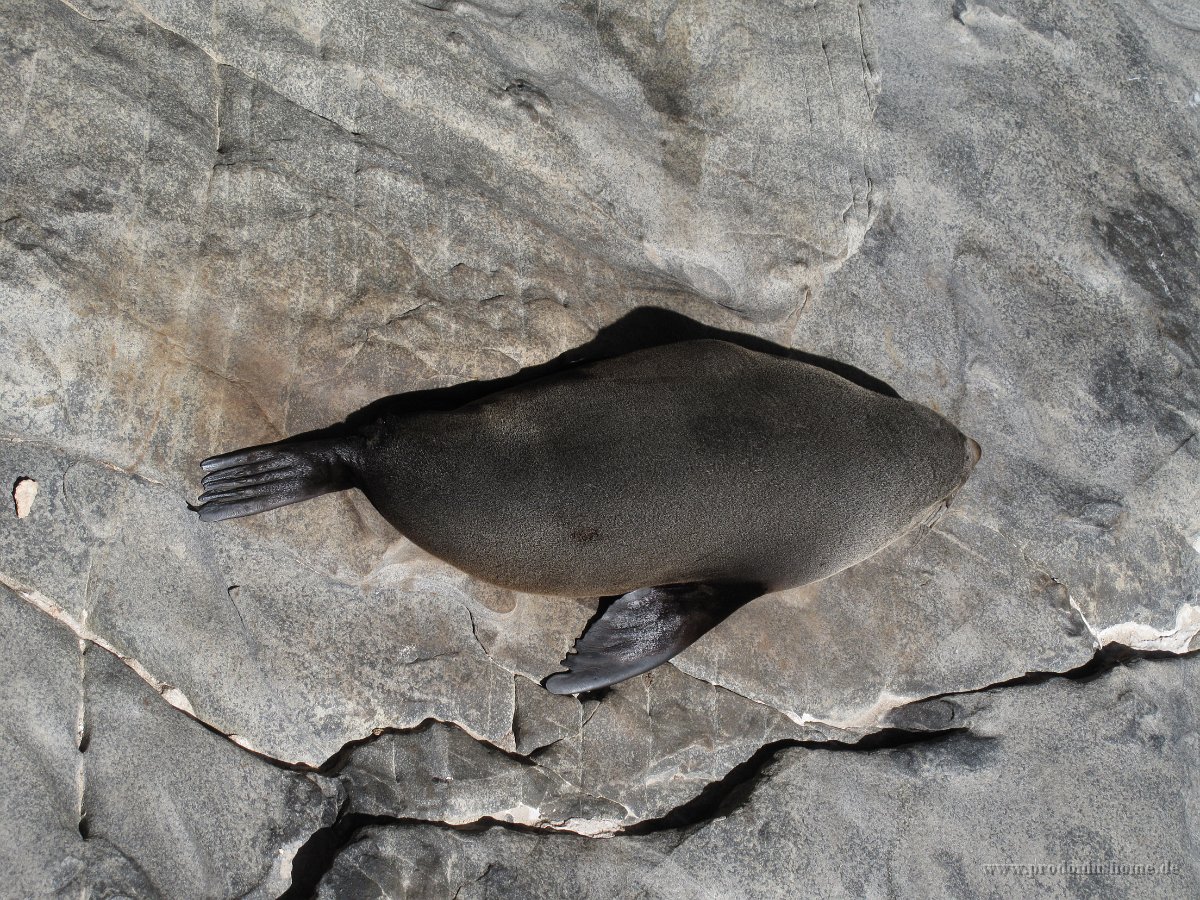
x: 260, y: 478
x: 643, y: 629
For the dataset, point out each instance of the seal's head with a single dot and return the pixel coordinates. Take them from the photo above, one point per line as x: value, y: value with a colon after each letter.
x: 973, y: 454
x: 961, y: 454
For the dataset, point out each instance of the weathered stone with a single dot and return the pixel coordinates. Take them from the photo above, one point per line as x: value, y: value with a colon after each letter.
x: 1034, y: 274
x: 117, y: 793
x: 441, y: 774
x: 635, y: 755
x: 1067, y: 788
x: 42, y: 850
x: 196, y: 813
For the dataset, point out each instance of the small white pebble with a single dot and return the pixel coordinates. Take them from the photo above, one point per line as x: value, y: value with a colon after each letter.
x: 23, y: 493
x: 1196, y: 541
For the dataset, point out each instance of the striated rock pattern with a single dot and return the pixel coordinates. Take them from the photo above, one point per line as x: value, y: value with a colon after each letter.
x: 225, y: 223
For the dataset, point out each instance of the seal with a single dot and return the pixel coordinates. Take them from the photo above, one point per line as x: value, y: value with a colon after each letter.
x: 684, y: 480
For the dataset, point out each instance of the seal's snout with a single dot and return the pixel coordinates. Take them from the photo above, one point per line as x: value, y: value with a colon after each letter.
x: 975, y: 450
x: 973, y: 453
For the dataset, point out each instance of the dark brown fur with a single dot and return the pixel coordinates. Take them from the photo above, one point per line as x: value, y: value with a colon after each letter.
x: 698, y: 461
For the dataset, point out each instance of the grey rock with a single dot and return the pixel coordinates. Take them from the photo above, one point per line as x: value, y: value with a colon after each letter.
x: 197, y: 814
x: 646, y: 748
x: 422, y: 861
x: 1065, y: 788
x: 1035, y: 274
x: 541, y: 718
x: 1082, y: 774
x: 41, y: 849
x: 119, y: 794
x: 441, y: 774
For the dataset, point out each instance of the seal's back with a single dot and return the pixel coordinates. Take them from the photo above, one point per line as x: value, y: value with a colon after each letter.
x: 695, y: 461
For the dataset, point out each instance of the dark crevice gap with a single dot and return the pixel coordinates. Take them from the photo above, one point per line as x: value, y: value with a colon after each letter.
x: 316, y: 857
x: 718, y: 799
x: 336, y: 763
x: 727, y: 794
x: 314, y: 860
x: 83, y: 739
x: 1103, y: 661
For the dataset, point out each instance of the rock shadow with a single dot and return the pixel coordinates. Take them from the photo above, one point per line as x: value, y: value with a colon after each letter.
x: 639, y: 329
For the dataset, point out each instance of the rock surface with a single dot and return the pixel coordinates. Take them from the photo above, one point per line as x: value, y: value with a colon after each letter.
x: 226, y: 224
x: 1068, y: 788
x: 116, y: 793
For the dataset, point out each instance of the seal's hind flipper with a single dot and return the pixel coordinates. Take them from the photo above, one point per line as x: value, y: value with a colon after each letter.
x: 273, y: 475
x: 643, y: 629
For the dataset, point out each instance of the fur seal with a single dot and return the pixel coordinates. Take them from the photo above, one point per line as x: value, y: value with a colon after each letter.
x: 686, y: 479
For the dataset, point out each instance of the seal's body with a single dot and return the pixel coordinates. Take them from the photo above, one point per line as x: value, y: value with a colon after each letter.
x: 689, y: 477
